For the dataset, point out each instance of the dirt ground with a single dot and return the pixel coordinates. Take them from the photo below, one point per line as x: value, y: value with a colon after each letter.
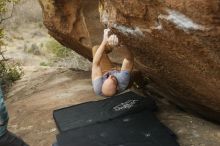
x: 32, y: 99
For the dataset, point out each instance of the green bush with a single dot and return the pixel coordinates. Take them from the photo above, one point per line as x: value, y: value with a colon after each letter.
x: 9, y: 72
x: 44, y: 64
x: 57, y: 49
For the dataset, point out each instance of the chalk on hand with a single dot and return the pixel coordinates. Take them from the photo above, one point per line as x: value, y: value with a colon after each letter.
x: 113, y: 40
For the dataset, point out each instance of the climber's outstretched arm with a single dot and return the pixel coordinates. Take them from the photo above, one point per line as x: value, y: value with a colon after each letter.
x: 128, y: 61
x: 96, y: 67
x: 97, y: 56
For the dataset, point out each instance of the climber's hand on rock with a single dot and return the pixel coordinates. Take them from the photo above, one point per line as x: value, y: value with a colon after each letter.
x: 113, y: 40
x: 105, y: 36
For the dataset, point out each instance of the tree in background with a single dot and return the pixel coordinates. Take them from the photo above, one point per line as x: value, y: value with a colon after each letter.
x: 9, y: 71
x: 8, y: 74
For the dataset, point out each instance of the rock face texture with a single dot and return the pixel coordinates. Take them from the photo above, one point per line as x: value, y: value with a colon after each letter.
x: 176, y: 43
x: 73, y: 23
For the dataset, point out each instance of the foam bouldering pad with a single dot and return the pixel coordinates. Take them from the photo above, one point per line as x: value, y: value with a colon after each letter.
x: 137, y: 129
x: 98, y: 111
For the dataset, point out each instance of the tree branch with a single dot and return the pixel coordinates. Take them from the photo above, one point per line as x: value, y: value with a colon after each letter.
x: 12, y: 11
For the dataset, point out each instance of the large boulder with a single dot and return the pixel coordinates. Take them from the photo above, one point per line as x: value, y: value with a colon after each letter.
x: 176, y: 43
x: 73, y: 23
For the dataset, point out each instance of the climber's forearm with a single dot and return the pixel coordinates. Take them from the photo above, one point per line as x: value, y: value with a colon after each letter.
x: 128, y: 61
x: 99, y: 53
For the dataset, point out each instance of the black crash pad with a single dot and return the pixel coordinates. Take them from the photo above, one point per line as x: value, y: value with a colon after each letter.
x: 140, y: 129
x: 98, y: 111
